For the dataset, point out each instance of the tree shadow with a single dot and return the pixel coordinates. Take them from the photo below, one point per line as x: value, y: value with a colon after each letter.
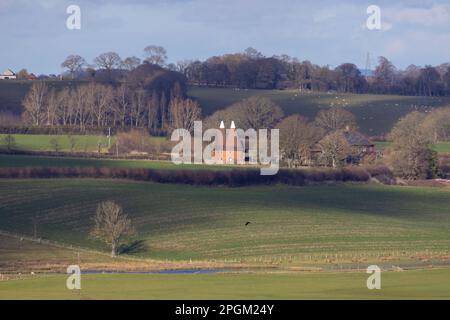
x: 134, y: 247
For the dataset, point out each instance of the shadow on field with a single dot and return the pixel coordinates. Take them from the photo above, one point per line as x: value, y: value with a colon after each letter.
x: 137, y: 246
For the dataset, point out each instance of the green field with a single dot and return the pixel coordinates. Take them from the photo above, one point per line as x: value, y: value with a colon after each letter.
x: 83, y: 143
x: 12, y: 92
x: 440, y: 147
x: 7, y: 160
x: 423, y: 284
x: 376, y: 114
x: 294, y: 226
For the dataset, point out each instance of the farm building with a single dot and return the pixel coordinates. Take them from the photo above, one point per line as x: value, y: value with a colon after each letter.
x: 231, y: 148
x: 361, y: 147
x: 8, y: 74
x: 359, y: 141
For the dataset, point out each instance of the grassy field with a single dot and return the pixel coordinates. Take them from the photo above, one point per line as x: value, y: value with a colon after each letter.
x: 440, y: 147
x: 293, y: 226
x: 83, y: 143
x: 42, y: 161
x: 376, y: 114
x: 423, y: 284
x: 12, y: 92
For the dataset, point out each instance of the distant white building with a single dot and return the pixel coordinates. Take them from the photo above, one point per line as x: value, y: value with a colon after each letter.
x: 8, y: 74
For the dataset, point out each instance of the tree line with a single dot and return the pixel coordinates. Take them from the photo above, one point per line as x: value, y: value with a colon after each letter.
x: 98, y: 105
x: 252, y: 70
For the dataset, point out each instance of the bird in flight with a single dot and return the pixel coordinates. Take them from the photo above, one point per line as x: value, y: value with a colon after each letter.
x: 247, y: 223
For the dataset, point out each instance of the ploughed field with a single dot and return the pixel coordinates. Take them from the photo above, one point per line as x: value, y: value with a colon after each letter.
x: 324, y: 226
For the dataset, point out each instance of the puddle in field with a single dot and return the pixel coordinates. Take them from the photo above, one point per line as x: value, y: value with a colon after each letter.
x: 179, y: 271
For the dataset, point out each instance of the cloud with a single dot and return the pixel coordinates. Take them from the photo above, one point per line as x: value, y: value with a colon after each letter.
x: 438, y: 14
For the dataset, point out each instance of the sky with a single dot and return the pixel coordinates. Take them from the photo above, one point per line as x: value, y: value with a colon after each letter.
x: 34, y: 35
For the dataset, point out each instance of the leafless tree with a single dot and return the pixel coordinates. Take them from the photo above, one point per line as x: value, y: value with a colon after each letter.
x: 51, y: 108
x: 138, y: 103
x: 9, y: 141
x: 108, y: 61
x: 131, y: 63
x: 335, y: 149
x: 73, y: 63
x: 121, y: 104
x: 35, y: 103
x: 335, y: 119
x: 155, y: 54
x: 411, y: 155
x: 254, y: 112
x: 100, y: 99
x: 64, y: 107
x: 183, y: 113
x: 152, y: 112
x: 437, y: 123
x: 80, y: 98
x: 111, y: 225
x: 297, y: 137
x: 182, y: 66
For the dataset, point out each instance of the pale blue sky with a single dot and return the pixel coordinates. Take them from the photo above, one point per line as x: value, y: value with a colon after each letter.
x: 33, y: 33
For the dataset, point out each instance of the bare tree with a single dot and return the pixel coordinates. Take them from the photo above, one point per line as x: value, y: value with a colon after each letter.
x: 131, y: 63
x: 80, y: 98
x: 138, y: 103
x: 437, y: 123
x: 9, y: 141
x: 152, y: 112
x: 335, y: 119
x: 54, y: 143
x: 51, y: 107
x: 297, y: 137
x: 101, y: 99
x: 411, y: 155
x: 254, y: 112
x: 121, y: 107
x: 35, y: 102
x: 155, y: 54
x: 335, y: 149
x: 183, y: 113
x: 72, y: 142
x: 64, y: 107
x: 108, y: 61
x: 182, y: 66
x: 111, y: 225
x: 73, y: 63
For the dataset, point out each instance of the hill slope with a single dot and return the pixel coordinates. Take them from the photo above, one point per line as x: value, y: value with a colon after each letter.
x: 288, y: 224
x: 376, y: 114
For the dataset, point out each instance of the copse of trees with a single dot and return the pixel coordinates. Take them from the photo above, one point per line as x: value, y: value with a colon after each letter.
x: 142, y: 100
x: 411, y: 155
x: 252, y: 70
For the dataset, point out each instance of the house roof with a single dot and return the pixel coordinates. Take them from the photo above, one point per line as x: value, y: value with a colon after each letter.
x: 8, y: 72
x: 355, y: 138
